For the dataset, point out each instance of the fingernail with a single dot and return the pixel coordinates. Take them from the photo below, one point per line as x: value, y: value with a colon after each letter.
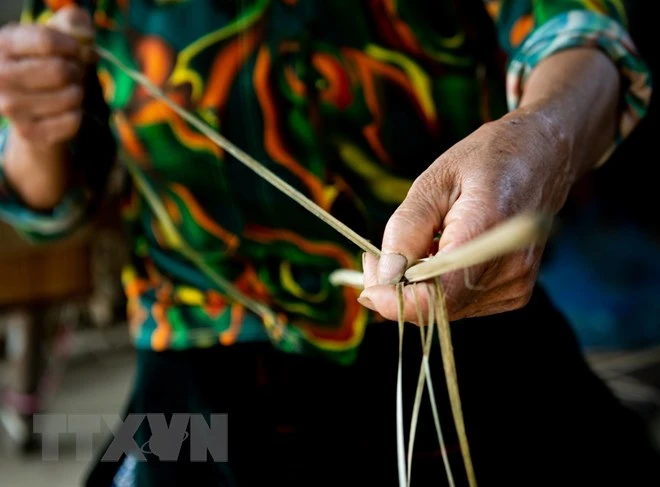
x: 364, y: 261
x: 365, y: 301
x: 391, y: 267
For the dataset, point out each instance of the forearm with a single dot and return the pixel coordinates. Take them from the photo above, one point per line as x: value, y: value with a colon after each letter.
x: 40, y: 176
x: 577, y: 93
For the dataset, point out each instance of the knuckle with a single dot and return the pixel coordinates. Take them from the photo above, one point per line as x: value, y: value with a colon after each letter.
x: 72, y: 122
x: 76, y: 16
x: 59, y: 72
x: 73, y: 21
x: 522, y: 272
x: 68, y: 14
x: 44, y: 40
x: 522, y: 287
x: 522, y: 301
x: 74, y: 96
x: 6, y: 33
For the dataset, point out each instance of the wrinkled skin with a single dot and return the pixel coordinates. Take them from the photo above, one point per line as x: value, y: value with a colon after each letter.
x: 525, y: 161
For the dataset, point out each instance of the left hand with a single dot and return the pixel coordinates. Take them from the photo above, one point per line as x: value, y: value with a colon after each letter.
x: 516, y: 164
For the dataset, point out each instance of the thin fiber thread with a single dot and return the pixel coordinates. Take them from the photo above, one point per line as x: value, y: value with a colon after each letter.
x: 439, y: 312
x: 449, y: 365
x: 425, y: 378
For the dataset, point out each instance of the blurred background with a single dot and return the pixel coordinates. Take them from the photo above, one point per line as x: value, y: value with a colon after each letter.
x: 64, y: 343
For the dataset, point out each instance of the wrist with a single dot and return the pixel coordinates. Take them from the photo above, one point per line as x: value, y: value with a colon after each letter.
x: 577, y: 91
x: 37, y: 174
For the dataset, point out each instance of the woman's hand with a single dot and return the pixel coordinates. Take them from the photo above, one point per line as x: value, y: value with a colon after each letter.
x: 42, y: 72
x: 526, y: 161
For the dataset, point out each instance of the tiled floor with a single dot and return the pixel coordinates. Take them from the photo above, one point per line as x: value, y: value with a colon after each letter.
x: 96, y: 386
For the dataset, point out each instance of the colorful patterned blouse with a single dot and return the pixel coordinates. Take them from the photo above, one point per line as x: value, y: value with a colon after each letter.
x: 347, y: 100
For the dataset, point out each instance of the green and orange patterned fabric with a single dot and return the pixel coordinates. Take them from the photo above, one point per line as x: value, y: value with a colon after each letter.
x: 347, y: 100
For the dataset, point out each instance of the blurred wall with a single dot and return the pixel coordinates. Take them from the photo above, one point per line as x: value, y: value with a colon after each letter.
x: 9, y: 10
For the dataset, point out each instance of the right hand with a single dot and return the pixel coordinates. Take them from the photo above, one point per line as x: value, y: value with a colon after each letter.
x: 42, y: 70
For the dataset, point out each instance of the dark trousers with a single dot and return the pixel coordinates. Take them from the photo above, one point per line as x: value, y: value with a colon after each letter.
x: 535, y: 413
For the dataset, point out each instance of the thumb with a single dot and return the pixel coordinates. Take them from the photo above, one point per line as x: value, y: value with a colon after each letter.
x: 76, y: 22
x: 410, y: 231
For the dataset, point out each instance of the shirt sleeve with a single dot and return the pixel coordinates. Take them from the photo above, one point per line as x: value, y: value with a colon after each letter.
x: 532, y: 30
x: 92, y: 151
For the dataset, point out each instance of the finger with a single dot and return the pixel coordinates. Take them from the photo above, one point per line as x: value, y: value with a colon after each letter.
x: 31, y: 40
x: 468, y: 217
x: 505, y: 297
x: 25, y: 106
x: 369, y: 269
x: 512, y: 286
x: 383, y: 300
x: 457, y: 294
x: 52, y: 130
x: 462, y: 287
x: 492, y: 308
x: 410, y: 231
x: 39, y: 73
x: 76, y: 22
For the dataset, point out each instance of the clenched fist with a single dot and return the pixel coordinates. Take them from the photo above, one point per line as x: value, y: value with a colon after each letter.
x: 42, y: 72
x: 41, y: 76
